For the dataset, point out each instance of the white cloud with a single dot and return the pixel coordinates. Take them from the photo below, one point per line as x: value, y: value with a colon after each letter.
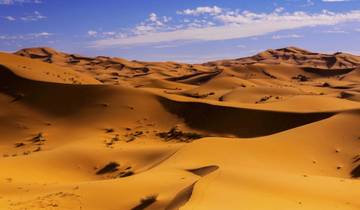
x: 153, y: 17
x: 309, y: 3
x: 12, y: 2
x: 287, y: 36
x: 5, y: 37
x: 42, y: 34
x: 99, y: 34
x: 335, y: 32
x: 10, y: 18
x: 166, y: 19
x: 109, y: 33
x: 215, y: 10
x: 143, y: 29
x: 92, y: 33
x: 26, y: 36
x: 279, y: 9
x: 151, y: 24
x: 159, y: 21
x: 35, y: 16
x: 229, y: 25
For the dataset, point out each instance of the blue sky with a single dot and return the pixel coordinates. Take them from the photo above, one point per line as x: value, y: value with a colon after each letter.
x: 179, y: 30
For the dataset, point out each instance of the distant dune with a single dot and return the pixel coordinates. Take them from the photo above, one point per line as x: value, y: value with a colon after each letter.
x: 298, y: 57
x: 277, y: 130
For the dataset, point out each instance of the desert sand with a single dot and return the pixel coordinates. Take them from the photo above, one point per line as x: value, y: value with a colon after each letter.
x: 276, y: 131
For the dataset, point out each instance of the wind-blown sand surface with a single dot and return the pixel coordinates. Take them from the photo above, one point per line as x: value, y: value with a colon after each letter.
x: 278, y: 131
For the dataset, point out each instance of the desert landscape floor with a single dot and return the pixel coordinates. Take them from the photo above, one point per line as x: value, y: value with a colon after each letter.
x: 279, y: 130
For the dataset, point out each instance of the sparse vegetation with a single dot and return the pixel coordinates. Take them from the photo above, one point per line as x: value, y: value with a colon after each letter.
x: 110, y: 142
x: 38, y: 138
x: 126, y: 173
x: 145, y: 202
x: 132, y: 136
x: 109, y: 130
x: 108, y: 168
x: 301, y: 78
x: 176, y: 134
x: 19, y: 144
x: 263, y: 99
x: 269, y: 75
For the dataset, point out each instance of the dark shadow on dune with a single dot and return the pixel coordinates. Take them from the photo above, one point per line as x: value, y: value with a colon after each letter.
x: 328, y: 72
x: 162, y: 160
x: 53, y: 98
x: 244, y: 123
x: 66, y: 99
x: 196, y: 78
x: 181, y: 198
x: 145, y: 202
x: 185, y: 194
x: 355, y: 173
x: 203, y: 171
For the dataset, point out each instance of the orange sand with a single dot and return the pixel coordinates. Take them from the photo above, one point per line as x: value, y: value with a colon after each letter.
x: 279, y: 130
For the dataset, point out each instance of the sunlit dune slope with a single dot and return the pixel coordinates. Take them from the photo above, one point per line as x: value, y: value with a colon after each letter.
x: 40, y: 71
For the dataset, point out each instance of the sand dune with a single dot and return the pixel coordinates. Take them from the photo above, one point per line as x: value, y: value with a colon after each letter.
x: 298, y: 57
x: 279, y: 130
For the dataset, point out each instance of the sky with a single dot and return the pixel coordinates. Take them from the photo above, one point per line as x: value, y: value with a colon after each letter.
x: 192, y: 31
